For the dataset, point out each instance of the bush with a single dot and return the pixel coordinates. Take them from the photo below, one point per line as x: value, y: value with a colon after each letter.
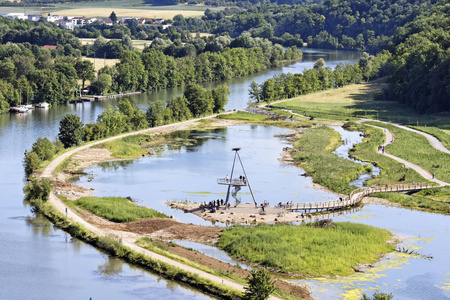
x: 38, y: 189
x: 31, y: 162
x: 43, y: 148
x: 260, y: 285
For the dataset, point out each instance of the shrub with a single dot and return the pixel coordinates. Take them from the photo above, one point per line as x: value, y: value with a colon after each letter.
x: 43, y: 148
x: 31, y: 162
x: 260, y: 285
x: 38, y: 189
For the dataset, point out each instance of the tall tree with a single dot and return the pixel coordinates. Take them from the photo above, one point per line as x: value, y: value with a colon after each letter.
x: 85, y: 70
x: 70, y: 130
x: 113, y: 17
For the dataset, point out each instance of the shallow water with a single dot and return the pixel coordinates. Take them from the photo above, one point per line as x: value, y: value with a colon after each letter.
x: 191, y: 172
x: 211, y: 252
x: 349, y: 139
x: 406, y: 277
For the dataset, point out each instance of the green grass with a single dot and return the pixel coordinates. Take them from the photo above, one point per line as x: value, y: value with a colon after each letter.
x: 243, y: 116
x: 127, y: 147
x: 416, y: 201
x: 116, y: 209
x: 306, y: 249
x: 442, y: 135
x: 441, y: 194
x: 416, y: 149
x: 312, y: 152
x: 392, y: 172
x: 358, y: 101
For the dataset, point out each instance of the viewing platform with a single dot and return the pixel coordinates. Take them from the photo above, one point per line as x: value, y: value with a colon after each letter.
x: 234, y: 182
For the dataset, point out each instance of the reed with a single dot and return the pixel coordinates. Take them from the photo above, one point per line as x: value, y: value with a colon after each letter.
x: 312, y: 152
x: 127, y: 147
x: 306, y: 249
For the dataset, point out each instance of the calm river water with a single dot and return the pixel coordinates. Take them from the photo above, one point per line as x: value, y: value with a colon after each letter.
x: 39, y: 261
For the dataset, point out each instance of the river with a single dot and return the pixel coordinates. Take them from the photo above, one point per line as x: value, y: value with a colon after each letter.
x: 150, y: 181
x: 39, y: 261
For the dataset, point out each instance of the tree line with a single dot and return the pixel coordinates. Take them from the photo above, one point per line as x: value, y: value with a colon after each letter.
x: 353, y: 24
x: 319, y: 78
x: 125, y: 117
x: 154, y: 70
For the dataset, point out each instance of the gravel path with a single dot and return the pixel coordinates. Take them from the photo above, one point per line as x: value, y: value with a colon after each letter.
x: 424, y: 173
x: 128, y: 238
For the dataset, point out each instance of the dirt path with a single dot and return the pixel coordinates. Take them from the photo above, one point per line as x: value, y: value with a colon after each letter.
x: 129, y: 238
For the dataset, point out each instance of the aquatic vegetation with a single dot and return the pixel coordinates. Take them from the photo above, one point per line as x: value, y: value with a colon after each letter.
x: 312, y: 152
x: 307, y: 249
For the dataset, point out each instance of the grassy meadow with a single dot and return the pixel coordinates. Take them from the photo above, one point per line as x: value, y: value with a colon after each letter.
x: 392, y: 172
x: 358, y: 101
x: 116, y: 209
x: 415, y: 148
x: 441, y: 134
x: 312, y: 152
x: 307, y: 249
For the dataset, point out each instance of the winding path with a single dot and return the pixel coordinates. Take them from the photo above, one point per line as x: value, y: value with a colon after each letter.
x: 434, y: 142
x: 424, y: 173
x: 129, y: 239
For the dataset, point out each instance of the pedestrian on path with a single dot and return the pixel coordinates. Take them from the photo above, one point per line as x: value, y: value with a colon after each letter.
x: 432, y: 176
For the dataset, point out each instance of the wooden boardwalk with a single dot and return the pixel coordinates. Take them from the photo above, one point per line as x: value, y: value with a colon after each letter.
x: 354, y: 198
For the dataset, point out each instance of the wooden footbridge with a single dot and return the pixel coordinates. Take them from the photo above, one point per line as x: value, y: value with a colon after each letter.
x: 354, y: 198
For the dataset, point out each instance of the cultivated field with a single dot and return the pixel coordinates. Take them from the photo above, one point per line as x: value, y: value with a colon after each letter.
x: 138, y: 44
x: 100, y: 62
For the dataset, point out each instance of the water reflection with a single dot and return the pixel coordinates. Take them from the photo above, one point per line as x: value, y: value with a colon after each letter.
x: 112, y: 266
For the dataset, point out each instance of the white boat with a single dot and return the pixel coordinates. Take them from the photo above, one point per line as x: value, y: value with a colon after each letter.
x: 43, y: 105
x: 19, y: 109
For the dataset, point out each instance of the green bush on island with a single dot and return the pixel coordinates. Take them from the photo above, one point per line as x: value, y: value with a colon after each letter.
x: 312, y: 152
x: 307, y: 249
x: 243, y: 116
x: 116, y: 209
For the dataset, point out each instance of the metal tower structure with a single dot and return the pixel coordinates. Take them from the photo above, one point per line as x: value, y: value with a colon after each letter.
x: 236, y: 183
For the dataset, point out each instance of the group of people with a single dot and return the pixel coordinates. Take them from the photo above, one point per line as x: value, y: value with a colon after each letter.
x: 241, y: 178
x: 214, y: 205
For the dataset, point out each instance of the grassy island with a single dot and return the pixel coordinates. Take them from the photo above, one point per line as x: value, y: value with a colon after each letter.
x: 312, y: 152
x: 307, y: 249
x: 115, y: 209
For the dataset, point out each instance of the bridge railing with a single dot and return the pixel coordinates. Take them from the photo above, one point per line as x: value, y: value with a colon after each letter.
x: 355, y: 197
x: 234, y: 181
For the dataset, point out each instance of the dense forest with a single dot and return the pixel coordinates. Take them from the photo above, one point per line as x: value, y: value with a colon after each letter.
x: 30, y: 72
x: 412, y: 34
x: 358, y: 24
x: 420, y: 67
